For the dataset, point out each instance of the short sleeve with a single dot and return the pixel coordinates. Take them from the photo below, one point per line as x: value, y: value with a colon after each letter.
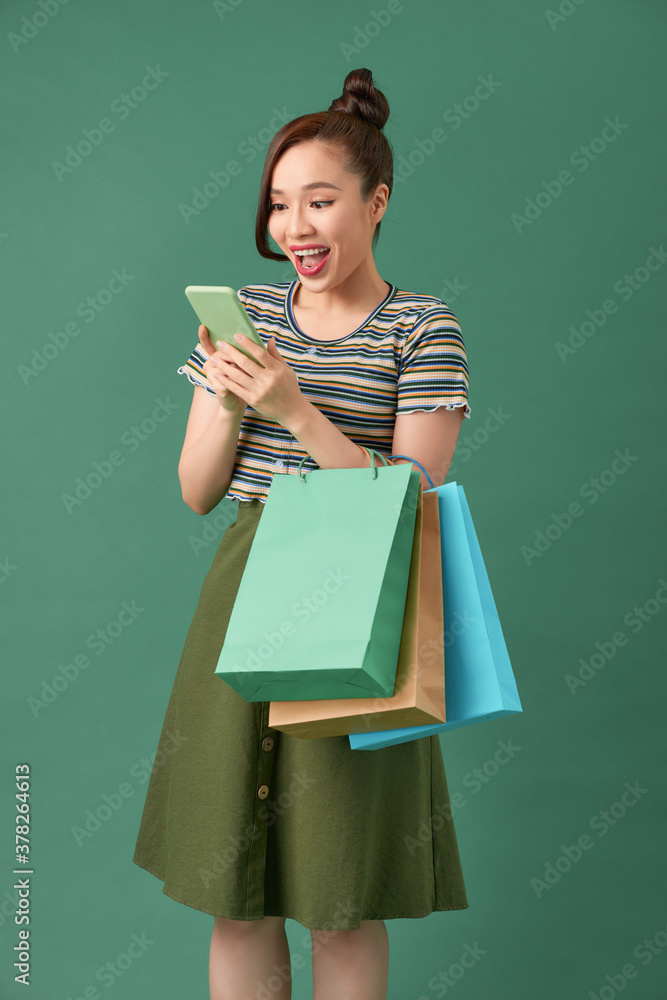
x: 193, y: 368
x: 433, y: 368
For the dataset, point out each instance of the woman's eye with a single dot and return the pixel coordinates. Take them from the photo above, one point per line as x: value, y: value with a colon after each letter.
x: 277, y: 205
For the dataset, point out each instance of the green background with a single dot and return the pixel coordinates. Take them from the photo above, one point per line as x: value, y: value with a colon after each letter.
x: 518, y: 291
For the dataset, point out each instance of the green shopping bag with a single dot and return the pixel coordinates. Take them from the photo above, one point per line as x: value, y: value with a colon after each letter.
x: 319, y: 610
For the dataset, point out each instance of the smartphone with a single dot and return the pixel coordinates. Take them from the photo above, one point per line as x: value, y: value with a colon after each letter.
x: 221, y: 311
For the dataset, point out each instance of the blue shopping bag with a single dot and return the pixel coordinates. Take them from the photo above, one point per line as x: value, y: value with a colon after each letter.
x: 479, y: 681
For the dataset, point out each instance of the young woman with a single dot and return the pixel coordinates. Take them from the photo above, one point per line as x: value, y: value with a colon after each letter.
x: 244, y: 822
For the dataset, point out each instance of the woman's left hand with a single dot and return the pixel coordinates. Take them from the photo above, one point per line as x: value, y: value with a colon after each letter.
x: 273, y: 390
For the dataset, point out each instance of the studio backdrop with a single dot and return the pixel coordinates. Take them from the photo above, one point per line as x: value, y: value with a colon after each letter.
x: 529, y: 195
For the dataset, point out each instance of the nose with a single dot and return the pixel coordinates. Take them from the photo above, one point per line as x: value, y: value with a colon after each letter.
x: 298, y: 226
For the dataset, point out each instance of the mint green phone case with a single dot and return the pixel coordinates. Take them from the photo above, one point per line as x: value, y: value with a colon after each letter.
x: 221, y: 312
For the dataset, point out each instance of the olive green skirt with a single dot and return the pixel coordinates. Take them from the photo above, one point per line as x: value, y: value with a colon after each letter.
x: 243, y: 821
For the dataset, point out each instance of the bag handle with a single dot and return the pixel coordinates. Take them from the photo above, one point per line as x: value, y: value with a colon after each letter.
x: 369, y: 451
x: 415, y: 463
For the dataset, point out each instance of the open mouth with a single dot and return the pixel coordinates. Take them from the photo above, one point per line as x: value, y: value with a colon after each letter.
x: 312, y: 261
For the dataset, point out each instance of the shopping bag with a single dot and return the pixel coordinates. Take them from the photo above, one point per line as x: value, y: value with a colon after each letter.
x: 419, y: 692
x: 479, y: 681
x: 319, y: 609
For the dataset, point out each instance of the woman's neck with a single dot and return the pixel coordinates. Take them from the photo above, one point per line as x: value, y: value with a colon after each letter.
x: 361, y: 292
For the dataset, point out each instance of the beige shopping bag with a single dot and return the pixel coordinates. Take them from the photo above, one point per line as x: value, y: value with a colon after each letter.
x: 419, y: 692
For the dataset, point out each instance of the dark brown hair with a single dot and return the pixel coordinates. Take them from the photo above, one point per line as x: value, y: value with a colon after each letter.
x: 353, y: 122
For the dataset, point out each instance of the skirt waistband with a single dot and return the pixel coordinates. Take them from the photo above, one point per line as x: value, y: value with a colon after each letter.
x: 248, y: 505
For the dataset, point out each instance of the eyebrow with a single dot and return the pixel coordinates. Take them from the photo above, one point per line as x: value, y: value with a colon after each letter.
x: 309, y: 187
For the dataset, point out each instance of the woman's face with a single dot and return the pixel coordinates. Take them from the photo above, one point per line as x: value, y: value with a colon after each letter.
x: 329, y: 213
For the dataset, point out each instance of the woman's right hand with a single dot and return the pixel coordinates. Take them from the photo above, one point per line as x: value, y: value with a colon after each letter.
x: 226, y: 398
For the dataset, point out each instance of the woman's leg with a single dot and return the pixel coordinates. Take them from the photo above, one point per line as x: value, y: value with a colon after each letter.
x: 249, y: 958
x: 349, y: 965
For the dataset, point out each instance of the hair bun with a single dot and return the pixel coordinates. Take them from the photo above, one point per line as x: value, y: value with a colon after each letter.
x: 361, y: 98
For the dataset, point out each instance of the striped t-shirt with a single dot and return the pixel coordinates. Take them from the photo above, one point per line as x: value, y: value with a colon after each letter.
x: 407, y: 355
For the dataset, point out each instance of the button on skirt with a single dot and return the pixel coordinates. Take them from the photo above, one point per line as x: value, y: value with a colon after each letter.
x: 243, y: 821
